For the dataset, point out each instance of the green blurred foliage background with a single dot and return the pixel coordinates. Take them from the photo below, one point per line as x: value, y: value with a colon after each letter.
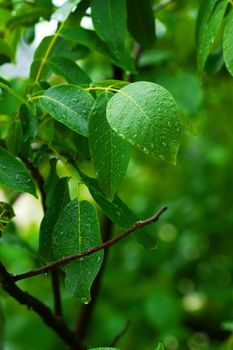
x: 181, y: 293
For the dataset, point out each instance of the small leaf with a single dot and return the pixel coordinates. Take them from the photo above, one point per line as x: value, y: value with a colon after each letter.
x: 120, y: 214
x: 109, y: 152
x: 6, y: 214
x: 14, y: 136
x: 90, y: 39
x: 68, y: 69
x: 29, y: 124
x: 160, y: 347
x: 14, y: 175
x: 141, y: 22
x: 58, y: 199
x: 109, y: 20
x: 228, y: 44
x: 209, y: 33
x: 146, y: 115
x: 77, y: 230
x: 205, y: 11
x: 70, y: 105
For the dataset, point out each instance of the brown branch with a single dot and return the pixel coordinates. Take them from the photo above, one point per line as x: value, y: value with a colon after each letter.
x: 162, y: 5
x: 38, y: 307
x: 67, y: 259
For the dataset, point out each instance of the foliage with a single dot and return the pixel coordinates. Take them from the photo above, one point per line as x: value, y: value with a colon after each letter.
x: 93, y: 134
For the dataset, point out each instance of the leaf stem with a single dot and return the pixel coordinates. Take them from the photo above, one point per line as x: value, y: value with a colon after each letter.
x: 67, y: 259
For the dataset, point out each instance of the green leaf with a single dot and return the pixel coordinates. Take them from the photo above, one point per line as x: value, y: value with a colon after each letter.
x: 77, y: 230
x: 70, y: 105
x: 58, y: 199
x: 90, y: 39
x: 109, y: 20
x: 6, y: 214
x: 14, y: 175
x: 27, y: 17
x: 141, y: 22
x: 14, y: 136
x: 228, y: 44
x: 68, y: 69
x: 160, y: 347
x: 146, y: 115
x: 205, y: 10
x: 110, y: 154
x: 120, y: 214
x: 38, y: 68
x: 209, y: 33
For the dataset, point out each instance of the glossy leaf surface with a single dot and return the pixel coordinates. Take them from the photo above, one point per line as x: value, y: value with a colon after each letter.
x: 70, y: 105
x: 14, y: 174
x: 146, y: 115
x: 77, y: 230
x: 110, y: 153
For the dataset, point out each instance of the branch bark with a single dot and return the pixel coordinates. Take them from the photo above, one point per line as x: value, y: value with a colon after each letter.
x: 39, y: 308
x: 66, y: 259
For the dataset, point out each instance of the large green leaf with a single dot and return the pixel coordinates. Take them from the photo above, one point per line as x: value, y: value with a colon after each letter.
x: 109, y: 20
x: 228, y: 43
x: 141, y: 22
x: 14, y: 175
x: 70, y: 105
x: 209, y: 33
x: 68, y: 69
x: 77, y: 230
x: 120, y: 214
x: 146, y: 115
x: 6, y: 54
x: 110, y: 153
x: 58, y: 200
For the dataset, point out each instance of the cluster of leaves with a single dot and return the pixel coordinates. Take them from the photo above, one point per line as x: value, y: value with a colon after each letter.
x: 81, y: 129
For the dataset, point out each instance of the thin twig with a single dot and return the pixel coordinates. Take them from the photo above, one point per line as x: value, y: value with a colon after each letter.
x: 67, y: 259
x: 38, y: 307
x: 120, y: 334
x: 162, y: 5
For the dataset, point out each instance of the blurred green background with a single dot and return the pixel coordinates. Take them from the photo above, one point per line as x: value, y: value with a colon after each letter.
x: 181, y: 293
